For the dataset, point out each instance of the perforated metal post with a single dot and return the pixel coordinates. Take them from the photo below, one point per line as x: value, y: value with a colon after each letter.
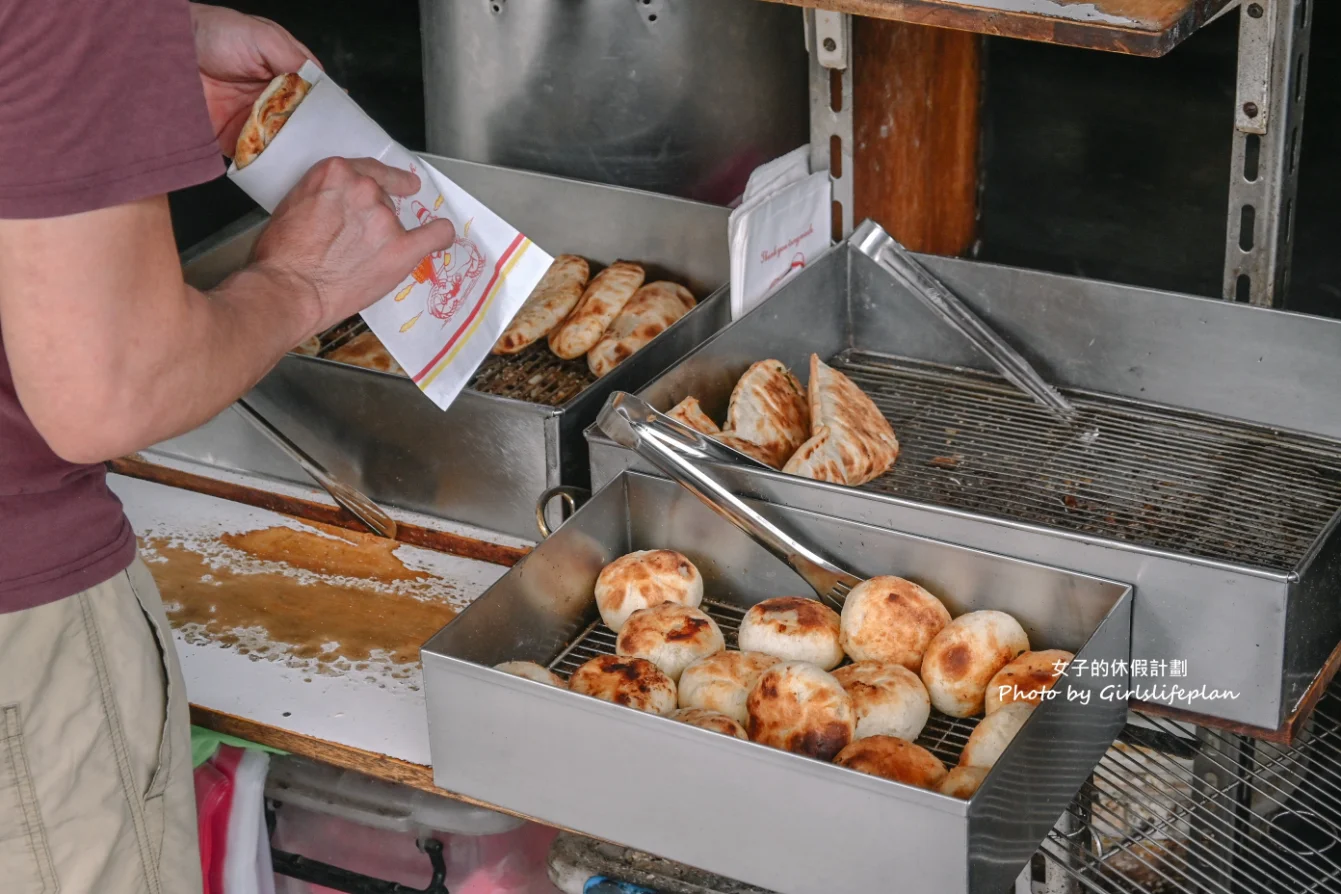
x: 829, y: 42
x: 1264, y: 174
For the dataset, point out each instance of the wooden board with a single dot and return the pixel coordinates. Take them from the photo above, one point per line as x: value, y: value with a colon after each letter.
x: 915, y: 133
x: 1138, y: 27
x: 305, y: 628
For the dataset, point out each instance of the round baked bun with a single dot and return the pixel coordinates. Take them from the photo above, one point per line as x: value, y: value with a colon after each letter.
x: 532, y: 671
x: 643, y: 579
x: 718, y: 723
x: 793, y: 628
x: 962, y: 782
x: 889, y: 699
x: 722, y: 682
x: 800, y: 708
x: 993, y: 734
x: 964, y: 657
x: 671, y: 636
x: 891, y: 619
x: 895, y: 759
x: 633, y: 682
x: 1026, y: 678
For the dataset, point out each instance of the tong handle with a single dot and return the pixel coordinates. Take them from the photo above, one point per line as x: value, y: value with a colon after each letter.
x: 900, y: 263
x: 362, y: 508
x: 634, y: 424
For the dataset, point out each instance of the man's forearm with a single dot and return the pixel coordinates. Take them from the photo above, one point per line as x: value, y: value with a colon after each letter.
x: 189, y: 370
x: 116, y: 353
x: 111, y: 352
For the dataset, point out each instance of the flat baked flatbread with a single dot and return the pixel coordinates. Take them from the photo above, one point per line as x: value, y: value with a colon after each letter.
x: 691, y: 414
x: 753, y: 451
x: 851, y: 441
x: 268, y: 114
x: 553, y: 299
x: 367, y: 351
x: 769, y: 411
x: 604, y: 298
x: 650, y: 312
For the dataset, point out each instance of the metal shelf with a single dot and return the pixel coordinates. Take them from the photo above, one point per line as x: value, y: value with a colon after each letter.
x: 1137, y: 27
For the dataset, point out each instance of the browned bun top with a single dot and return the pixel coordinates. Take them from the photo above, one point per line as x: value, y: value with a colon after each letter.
x: 891, y: 619
x: 643, y: 579
x: 1026, y: 678
x: 962, y: 659
x: 801, y: 708
x: 671, y: 636
x: 722, y: 682
x: 794, y: 614
x: 633, y: 682
x: 794, y: 628
x: 660, y: 575
x: 895, y: 759
x: 669, y: 622
x: 710, y: 720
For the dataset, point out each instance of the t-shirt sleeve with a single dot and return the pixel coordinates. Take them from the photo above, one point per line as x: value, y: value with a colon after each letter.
x: 100, y: 104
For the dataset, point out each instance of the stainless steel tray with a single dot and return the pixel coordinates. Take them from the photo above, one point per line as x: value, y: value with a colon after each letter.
x: 487, y: 459
x: 765, y: 817
x: 1204, y: 467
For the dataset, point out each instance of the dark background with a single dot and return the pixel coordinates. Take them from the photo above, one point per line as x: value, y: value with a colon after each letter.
x: 1095, y: 164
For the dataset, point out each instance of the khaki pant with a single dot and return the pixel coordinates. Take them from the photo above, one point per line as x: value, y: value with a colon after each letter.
x: 96, y: 785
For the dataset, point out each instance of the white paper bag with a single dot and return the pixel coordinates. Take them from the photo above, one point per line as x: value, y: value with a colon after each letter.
x: 783, y: 171
x: 782, y: 224
x: 442, y: 320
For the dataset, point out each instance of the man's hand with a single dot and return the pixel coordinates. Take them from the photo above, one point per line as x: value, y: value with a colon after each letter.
x: 337, y: 234
x: 110, y: 363
x: 238, y: 56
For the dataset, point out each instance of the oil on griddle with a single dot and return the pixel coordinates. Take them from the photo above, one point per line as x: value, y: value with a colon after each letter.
x: 327, y: 600
x: 1139, y: 473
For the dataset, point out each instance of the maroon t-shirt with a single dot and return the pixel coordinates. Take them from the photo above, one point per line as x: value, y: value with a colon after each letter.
x: 100, y: 104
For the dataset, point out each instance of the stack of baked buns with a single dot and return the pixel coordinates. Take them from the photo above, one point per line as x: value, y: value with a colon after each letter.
x: 608, y: 319
x: 855, y: 688
x: 830, y: 431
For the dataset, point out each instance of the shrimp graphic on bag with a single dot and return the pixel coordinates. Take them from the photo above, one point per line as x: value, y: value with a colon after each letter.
x: 454, y: 273
x: 451, y: 274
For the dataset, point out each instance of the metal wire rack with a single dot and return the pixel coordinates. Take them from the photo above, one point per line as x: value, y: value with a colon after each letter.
x: 1139, y: 473
x: 534, y: 375
x: 1175, y: 810
x: 943, y: 736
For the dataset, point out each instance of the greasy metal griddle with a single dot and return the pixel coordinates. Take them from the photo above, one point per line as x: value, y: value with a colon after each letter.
x: 1204, y: 466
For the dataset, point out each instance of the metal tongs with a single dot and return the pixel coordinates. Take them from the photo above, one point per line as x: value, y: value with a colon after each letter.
x: 677, y: 450
x: 362, y: 508
x: 900, y: 263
